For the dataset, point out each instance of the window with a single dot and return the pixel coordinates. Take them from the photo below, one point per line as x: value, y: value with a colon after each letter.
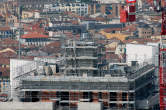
x: 73, y: 5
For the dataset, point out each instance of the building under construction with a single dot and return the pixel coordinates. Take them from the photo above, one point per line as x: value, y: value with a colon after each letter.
x: 80, y: 59
x: 79, y: 83
x: 128, y: 91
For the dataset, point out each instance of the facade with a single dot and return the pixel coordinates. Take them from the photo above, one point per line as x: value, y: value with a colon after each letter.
x: 27, y: 14
x: 35, y: 39
x: 7, y: 32
x: 119, y: 88
x: 34, y: 4
x: 77, y: 8
x: 111, y: 10
x: 109, y: 1
x: 4, y: 75
x: 12, y: 19
x: 119, y: 91
x: 142, y: 53
x: 145, y: 31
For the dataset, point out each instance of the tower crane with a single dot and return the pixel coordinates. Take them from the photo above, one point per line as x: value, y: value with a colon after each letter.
x: 160, y: 8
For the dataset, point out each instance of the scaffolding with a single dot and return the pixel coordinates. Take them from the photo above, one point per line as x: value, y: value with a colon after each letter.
x: 115, y: 92
x: 73, y: 87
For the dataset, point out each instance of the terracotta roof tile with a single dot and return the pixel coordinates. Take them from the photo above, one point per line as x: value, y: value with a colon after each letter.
x: 4, y: 28
x: 5, y: 61
x: 141, y: 40
x: 34, y: 35
x: 8, y: 54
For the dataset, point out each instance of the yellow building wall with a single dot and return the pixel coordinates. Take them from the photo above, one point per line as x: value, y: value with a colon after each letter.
x: 26, y: 14
x: 119, y: 36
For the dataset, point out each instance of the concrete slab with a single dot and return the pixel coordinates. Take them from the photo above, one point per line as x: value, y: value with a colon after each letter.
x: 26, y: 106
x: 90, y: 106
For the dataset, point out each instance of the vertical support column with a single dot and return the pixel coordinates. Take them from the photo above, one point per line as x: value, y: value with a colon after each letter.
x: 74, y: 98
x: 45, y: 96
x: 95, y: 97
x: 162, y: 73
x: 81, y: 95
x: 94, y: 8
x: 119, y: 99
x: 105, y: 99
x: 127, y: 98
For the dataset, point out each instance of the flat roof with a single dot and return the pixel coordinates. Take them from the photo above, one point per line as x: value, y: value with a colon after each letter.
x: 76, y: 79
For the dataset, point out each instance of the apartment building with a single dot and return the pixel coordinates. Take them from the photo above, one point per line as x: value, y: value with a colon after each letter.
x: 34, y: 4
x: 7, y: 32
x: 77, y: 8
x: 145, y: 31
x: 35, y: 39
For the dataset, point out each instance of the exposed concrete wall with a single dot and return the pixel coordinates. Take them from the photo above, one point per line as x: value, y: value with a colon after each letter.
x: 26, y: 106
x: 89, y: 106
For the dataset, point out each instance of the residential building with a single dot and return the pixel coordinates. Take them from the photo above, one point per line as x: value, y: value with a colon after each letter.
x: 30, y: 14
x: 4, y: 75
x: 34, y: 4
x: 142, y: 53
x: 7, y: 32
x: 110, y: 10
x: 35, y: 39
x: 27, y: 14
x: 12, y: 19
x: 109, y: 1
x: 145, y: 31
x: 80, y: 9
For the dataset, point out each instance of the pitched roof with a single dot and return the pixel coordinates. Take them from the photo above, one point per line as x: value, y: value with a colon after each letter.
x: 4, y: 28
x: 8, y: 41
x: 116, y: 35
x: 7, y: 49
x: 5, y: 61
x: 141, y: 40
x: 34, y: 35
x: 8, y: 54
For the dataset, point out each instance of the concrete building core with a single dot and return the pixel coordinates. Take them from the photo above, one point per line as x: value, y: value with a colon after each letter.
x: 81, y: 59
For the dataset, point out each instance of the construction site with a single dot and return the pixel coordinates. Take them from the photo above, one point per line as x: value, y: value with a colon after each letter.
x: 79, y: 84
x: 85, y: 73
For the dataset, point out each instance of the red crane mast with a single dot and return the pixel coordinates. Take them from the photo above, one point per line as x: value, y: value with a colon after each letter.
x: 162, y: 56
x: 159, y: 6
